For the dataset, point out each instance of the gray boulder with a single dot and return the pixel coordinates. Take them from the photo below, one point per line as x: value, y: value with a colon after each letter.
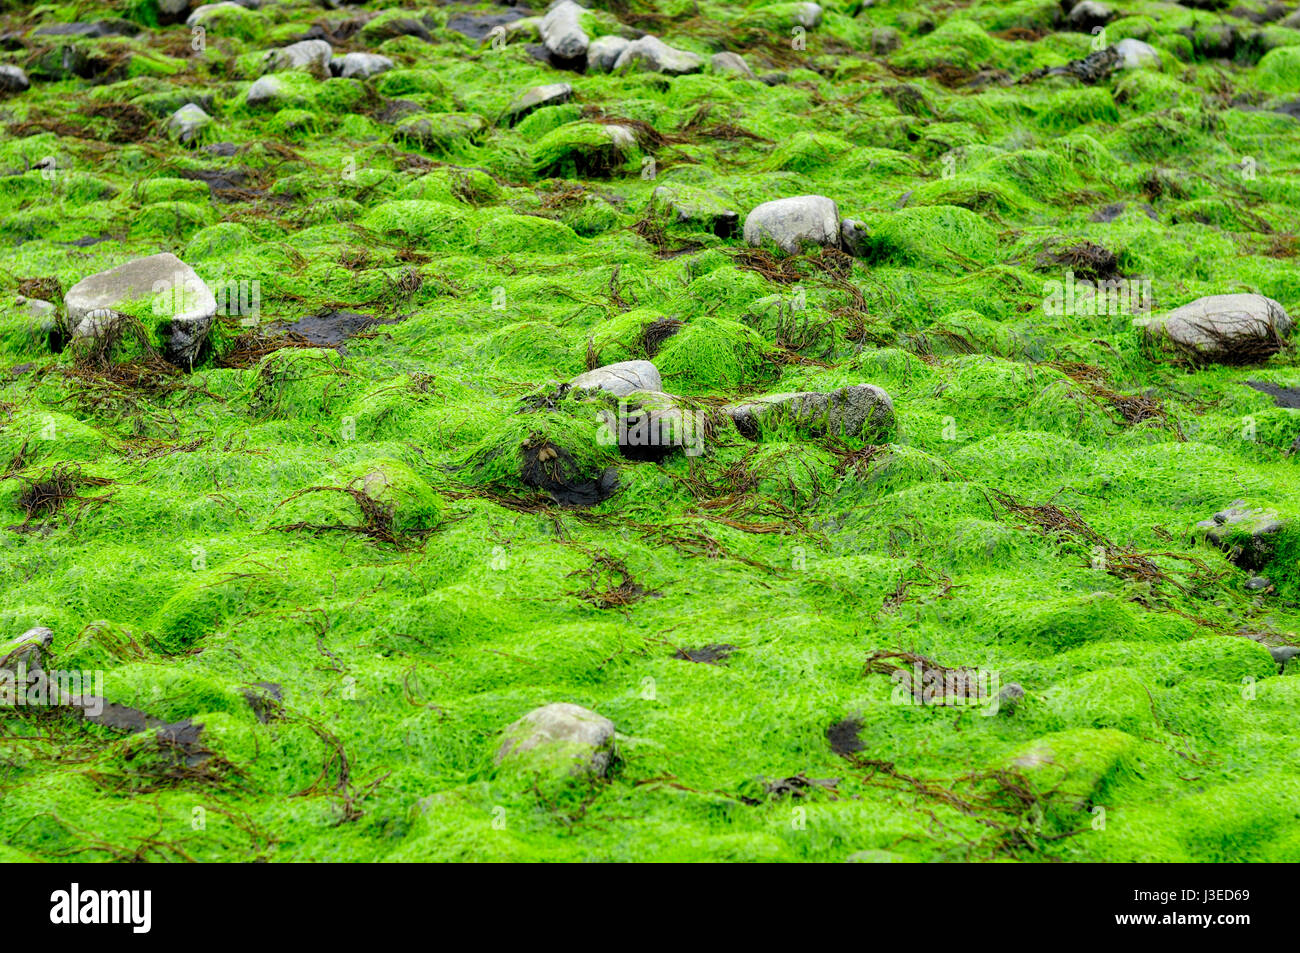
x: 729, y: 63
x: 360, y: 65
x: 863, y: 410
x: 530, y: 100
x: 1234, y: 328
x: 619, y: 379
x: 176, y: 298
x: 808, y: 15
x: 792, y: 223
x: 649, y: 425
x: 562, y: 32
x: 187, y: 122
x: 654, y: 55
x: 559, y: 740
x: 1248, y: 536
x: 13, y: 79
x: 603, y: 52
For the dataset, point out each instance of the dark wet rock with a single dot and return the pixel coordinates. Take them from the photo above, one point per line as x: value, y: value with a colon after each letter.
x: 559, y: 740
x: 1009, y: 698
x: 1248, y: 536
x: 729, y: 63
x: 1288, y: 397
x: 854, y: 237
x: 793, y: 223
x: 711, y: 654
x: 1229, y: 329
x: 863, y: 410
x: 13, y: 79
x: 390, y: 28
x: 223, y: 149
x: 1257, y: 583
x: 188, y: 304
x: 265, y: 699
x: 333, y: 328
x: 774, y: 79
x: 652, y: 54
x: 538, y: 97
x: 1108, y: 213
x: 91, y: 31
x: 619, y: 379
x: 477, y: 26
x: 1088, y: 14
x: 554, y: 470
x: 399, y: 109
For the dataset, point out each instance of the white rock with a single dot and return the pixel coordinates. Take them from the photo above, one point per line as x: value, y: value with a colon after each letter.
x: 794, y: 222
x: 652, y: 53
x: 620, y: 379
x: 728, y: 62
x: 604, y: 51
x: 1134, y: 54
x: 562, y: 31
x: 265, y: 90
x: 174, y: 291
x: 360, y: 65
x: 568, y: 739
x: 808, y: 15
x: 187, y: 121
x: 202, y: 13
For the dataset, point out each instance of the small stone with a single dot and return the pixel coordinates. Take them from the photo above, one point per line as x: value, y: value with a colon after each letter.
x: 13, y: 79
x: 807, y: 15
x: 307, y: 54
x: 174, y: 289
x: 559, y: 739
x: 187, y: 122
x: 202, y: 13
x: 1255, y: 583
x: 652, y: 54
x: 863, y: 410
x: 360, y: 65
x: 562, y: 32
x: 793, y: 223
x: 1134, y: 54
x: 1284, y: 653
x: 553, y: 94
x: 619, y: 379
x: 266, y: 90
x: 603, y: 52
x: 730, y: 63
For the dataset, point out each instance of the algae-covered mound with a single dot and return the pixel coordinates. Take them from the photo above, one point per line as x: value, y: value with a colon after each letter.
x: 464, y: 431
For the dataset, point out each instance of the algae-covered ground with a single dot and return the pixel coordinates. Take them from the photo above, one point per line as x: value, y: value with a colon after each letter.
x: 324, y: 571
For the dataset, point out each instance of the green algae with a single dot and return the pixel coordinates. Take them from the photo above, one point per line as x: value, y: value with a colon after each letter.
x: 230, y: 553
